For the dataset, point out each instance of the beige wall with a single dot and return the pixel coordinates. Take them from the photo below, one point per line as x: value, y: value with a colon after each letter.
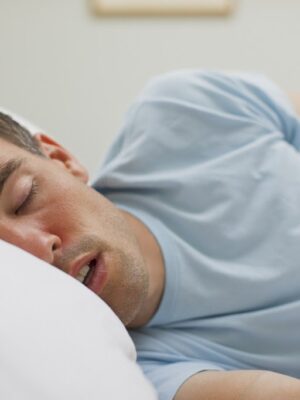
x: 75, y: 74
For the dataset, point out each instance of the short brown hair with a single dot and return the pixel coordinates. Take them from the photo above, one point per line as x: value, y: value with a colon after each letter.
x: 15, y: 133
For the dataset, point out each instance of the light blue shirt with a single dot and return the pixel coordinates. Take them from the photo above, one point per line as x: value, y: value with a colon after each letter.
x: 209, y: 162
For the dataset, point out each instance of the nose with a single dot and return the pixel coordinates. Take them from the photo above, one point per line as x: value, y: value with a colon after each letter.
x: 38, y: 242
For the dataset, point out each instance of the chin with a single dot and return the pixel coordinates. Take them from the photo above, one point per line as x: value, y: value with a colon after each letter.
x: 129, y: 300
x: 127, y: 287
x: 128, y: 309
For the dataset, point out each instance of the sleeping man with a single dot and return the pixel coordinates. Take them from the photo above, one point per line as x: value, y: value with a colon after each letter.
x: 190, y: 232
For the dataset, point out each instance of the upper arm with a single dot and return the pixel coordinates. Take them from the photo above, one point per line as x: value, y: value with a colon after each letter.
x: 239, y: 385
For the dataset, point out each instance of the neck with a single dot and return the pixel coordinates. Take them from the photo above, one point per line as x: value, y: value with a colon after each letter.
x: 155, y: 266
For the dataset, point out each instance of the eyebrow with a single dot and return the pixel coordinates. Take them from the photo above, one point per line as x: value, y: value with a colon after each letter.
x: 7, y: 169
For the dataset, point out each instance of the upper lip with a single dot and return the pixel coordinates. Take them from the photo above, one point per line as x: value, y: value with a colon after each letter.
x: 80, y: 262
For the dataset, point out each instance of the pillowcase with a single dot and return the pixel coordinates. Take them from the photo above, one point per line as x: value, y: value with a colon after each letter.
x: 58, y: 339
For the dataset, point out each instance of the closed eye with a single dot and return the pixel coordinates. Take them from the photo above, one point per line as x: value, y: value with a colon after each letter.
x: 25, y: 204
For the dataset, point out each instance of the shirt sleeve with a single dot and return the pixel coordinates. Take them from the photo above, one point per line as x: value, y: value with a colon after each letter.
x: 190, y: 117
x: 273, y: 104
x: 230, y: 100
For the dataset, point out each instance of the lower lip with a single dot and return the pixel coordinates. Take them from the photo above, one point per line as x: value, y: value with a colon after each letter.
x: 99, y: 277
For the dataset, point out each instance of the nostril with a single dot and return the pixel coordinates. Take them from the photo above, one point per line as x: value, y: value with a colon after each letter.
x: 55, y: 246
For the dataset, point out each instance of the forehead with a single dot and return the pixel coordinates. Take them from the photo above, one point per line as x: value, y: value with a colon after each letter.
x: 11, y: 159
x: 9, y: 149
x: 13, y: 156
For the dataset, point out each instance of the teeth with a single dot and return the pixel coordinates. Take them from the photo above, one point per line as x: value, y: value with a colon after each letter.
x: 83, y: 273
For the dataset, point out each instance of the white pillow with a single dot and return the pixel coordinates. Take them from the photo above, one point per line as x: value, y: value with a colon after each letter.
x: 58, y: 340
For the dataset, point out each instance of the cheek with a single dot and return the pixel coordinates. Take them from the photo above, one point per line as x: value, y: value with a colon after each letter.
x: 61, y: 215
x: 74, y: 209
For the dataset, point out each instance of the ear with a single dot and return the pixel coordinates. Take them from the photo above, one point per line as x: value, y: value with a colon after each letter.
x: 57, y: 153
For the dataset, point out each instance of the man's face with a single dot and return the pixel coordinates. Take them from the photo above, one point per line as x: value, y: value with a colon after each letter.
x: 47, y: 209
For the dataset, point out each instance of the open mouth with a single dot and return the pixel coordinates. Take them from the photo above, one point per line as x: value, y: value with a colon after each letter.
x: 86, y: 272
x: 92, y: 274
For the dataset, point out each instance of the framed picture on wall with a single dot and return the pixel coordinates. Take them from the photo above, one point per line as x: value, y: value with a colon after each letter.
x: 162, y: 7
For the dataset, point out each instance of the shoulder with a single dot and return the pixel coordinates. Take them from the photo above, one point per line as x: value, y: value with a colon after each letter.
x: 249, y: 86
x: 180, y: 83
x: 188, y: 91
x: 214, y: 90
x: 183, y: 101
